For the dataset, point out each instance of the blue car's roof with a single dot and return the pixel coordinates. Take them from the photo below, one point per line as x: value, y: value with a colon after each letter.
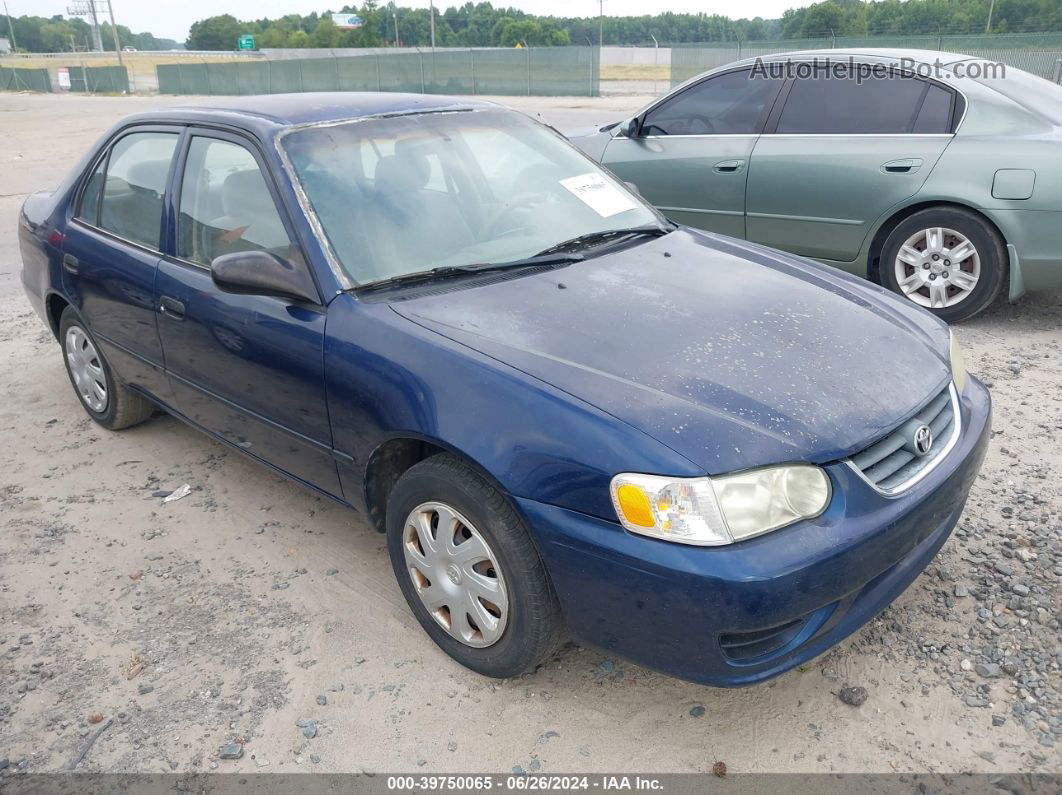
x: 284, y: 110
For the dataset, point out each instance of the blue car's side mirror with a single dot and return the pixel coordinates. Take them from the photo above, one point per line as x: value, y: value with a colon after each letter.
x: 262, y: 273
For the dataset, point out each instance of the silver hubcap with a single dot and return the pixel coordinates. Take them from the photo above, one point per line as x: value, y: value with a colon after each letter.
x: 937, y: 267
x: 86, y: 368
x: 455, y: 574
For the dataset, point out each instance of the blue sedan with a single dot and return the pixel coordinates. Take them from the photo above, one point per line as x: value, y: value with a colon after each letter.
x: 567, y: 414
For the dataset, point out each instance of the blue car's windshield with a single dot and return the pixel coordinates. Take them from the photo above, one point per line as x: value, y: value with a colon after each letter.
x: 410, y: 193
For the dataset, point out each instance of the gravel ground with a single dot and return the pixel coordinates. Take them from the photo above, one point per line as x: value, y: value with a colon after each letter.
x: 251, y: 626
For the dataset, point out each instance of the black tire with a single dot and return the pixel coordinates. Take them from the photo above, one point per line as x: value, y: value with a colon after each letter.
x: 124, y: 407
x: 533, y: 625
x: 990, y: 250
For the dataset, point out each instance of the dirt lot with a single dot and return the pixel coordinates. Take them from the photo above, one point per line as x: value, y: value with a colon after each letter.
x: 250, y: 605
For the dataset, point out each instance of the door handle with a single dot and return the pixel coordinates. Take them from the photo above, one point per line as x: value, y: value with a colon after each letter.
x: 907, y: 165
x: 171, y: 307
x: 70, y: 263
x: 728, y: 166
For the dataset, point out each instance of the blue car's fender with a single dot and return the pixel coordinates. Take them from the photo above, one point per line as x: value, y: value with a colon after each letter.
x: 389, y: 378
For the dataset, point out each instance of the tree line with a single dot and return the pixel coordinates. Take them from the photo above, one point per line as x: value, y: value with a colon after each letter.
x: 470, y: 25
x: 485, y: 25
x: 56, y: 34
x: 921, y: 17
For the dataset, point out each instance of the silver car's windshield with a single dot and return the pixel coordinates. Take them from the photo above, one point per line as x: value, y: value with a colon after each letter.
x: 406, y: 194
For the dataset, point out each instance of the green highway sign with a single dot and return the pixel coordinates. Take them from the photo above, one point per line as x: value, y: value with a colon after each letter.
x: 245, y: 42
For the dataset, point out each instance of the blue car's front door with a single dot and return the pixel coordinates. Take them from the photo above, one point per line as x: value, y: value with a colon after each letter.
x: 248, y: 368
x: 111, y: 250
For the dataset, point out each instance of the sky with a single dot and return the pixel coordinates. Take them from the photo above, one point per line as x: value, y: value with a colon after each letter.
x: 171, y: 19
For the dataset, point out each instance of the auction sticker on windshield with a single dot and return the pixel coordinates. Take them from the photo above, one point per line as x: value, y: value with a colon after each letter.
x: 599, y: 194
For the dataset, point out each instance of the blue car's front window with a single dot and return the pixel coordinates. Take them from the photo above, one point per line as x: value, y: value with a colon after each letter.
x: 410, y: 193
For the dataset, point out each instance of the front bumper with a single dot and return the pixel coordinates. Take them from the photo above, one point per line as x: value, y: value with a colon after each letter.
x: 740, y: 614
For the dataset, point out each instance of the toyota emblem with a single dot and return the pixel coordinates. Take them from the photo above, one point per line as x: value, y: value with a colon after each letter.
x: 923, y: 439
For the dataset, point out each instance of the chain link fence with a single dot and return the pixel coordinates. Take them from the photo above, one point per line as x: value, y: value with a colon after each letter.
x: 1038, y: 53
x: 100, y: 72
x: 533, y: 71
x: 23, y: 79
x: 530, y: 71
x: 99, y: 79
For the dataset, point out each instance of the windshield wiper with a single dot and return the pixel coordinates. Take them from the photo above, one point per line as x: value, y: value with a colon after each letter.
x: 591, y: 239
x: 447, y: 271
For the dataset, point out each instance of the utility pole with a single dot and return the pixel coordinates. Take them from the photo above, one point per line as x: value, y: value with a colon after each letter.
x: 87, y: 8
x: 394, y: 13
x: 656, y: 58
x: 114, y: 33
x: 97, y: 40
x: 10, y: 28
x: 431, y: 10
x: 991, y: 8
x: 601, y: 23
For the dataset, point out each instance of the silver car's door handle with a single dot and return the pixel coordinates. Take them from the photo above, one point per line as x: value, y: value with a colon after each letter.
x: 728, y: 166
x: 906, y: 165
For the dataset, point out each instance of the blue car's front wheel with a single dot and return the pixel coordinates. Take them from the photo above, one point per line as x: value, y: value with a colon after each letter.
x: 468, y: 569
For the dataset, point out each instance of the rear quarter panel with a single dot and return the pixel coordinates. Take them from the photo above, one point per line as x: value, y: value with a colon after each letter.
x: 43, y: 215
x: 965, y: 176
x: 40, y: 257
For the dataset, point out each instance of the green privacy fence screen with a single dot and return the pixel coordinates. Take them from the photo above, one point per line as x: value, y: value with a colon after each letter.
x: 542, y: 71
x: 18, y: 79
x: 99, y: 79
x: 1038, y: 53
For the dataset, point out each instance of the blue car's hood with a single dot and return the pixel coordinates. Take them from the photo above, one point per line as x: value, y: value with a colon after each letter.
x: 732, y: 355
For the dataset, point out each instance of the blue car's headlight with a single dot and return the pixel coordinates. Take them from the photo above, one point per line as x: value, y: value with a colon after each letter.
x: 958, y: 363
x: 723, y: 509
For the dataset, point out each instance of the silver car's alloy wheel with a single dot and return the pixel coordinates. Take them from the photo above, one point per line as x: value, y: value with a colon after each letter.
x: 455, y: 574
x: 87, y: 369
x: 937, y: 267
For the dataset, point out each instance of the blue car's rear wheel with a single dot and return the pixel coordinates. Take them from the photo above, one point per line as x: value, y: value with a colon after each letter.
x: 469, y: 570
x: 105, y: 398
x: 945, y: 259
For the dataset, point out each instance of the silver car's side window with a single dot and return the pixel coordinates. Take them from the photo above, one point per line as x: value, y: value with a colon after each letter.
x: 728, y: 104
x: 837, y: 102
x: 935, y: 115
x: 225, y: 204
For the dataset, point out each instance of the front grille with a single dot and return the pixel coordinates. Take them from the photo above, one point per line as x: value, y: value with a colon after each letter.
x: 891, y: 464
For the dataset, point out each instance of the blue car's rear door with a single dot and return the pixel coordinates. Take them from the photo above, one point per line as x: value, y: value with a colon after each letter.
x: 248, y: 368
x: 111, y: 251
